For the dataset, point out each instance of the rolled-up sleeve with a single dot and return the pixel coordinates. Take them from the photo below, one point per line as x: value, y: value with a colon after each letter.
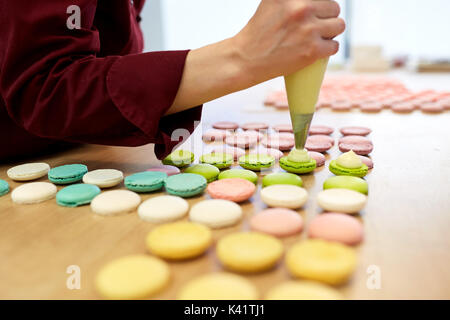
x: 56, y: 87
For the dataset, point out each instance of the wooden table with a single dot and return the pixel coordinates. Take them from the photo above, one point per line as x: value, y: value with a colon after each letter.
x: 406, y: 220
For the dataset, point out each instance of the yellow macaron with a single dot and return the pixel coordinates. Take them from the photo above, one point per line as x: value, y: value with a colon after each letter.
x: 179, y: 240
x: 219, y: 286
x: 320, y: 260
x: 249, y: 251
x: 132, y: 277
x: 303, y: 290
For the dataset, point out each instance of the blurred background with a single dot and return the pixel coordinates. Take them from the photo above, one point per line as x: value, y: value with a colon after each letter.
x: 381, y: 34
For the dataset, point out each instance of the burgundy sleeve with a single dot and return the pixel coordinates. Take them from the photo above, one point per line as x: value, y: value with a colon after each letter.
x: 55, y: 86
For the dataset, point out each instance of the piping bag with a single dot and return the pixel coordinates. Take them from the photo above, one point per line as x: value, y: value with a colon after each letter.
x: 302, y: 88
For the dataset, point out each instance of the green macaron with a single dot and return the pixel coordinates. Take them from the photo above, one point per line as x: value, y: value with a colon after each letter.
x: 68, y: 173
x: 206, y: 170
x: 239, y: 173
x: 217, y: 159
x: 4, y: 187
x: 346, y: 182
x: 146, y: 181
x: 256, y: 162
x: 179, y: 158
x: 77, y: 195
x: 185, y: 184
x: 342, y: 171
x: 282, y: 178
x: 297, y: 167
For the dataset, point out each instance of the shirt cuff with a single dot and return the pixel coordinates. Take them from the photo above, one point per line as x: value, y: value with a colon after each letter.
x: 143, y: 87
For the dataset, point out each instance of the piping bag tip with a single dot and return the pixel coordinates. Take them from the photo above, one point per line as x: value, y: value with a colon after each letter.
x: 301, y: 124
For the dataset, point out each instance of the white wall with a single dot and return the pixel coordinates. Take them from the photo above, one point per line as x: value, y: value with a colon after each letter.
x: 414, y: 27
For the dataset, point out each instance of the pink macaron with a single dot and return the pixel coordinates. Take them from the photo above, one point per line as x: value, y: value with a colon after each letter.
x: 319, y: 143
x: 278, y: 222
x: 367, y: 161
x: 215, y: 135
x: 251, y: 133
x: 169, y: 170
x: 233, y: 189
x: 371, y: 107
x: 284, y: 127
x: 282, y: 141
x: 403, y: 107
x: 359, y: 145
x: 337, y: 227
x: 241, y: 141
x: 225, y: 125
x: 320, y: 158
x: 277, y: 154
x: 236, y: 152
x: 355, y: 131
x: 432, y: 107
x: 257, y: 126
x: 319, y: 129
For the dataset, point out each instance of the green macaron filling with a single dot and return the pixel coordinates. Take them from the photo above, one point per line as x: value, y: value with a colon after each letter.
x: 179, y: 158
x: 206, y: 170
x: 256, y: 162
x: 297, y: 167
x: 218, y: 159
x: 342, y: 171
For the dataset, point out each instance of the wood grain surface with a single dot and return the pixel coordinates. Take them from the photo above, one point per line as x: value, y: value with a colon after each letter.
x: 406, y: 220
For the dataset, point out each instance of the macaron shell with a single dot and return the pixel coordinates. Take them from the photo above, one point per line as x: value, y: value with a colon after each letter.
x: 115, y: 202
x: 255, y: 126
x: 167, y: 169
x: 226, y: 125
x: 241, y: 141
x: 215, y: 135
x: 28, y: 171
x: 303, y: 290
x: 179, y: 240
x: 359, y: 145
x: 179, y: 158
x: 132, y: 277
x: 284, y: 196
x: 206, y: 170
x: 297, y: 167
x: 278, y: 222
x: 235, y: 152
x: 337, y: 227
x: 367, y: 161
x: 278, y: 141
x: 219, y: 160
x: 239, y: 173
x: 68, y: 173
x: 185, y: 184
x: 320, y: 158
x: 219, y: 286
x: 314, y: 259
x: 77, y: 194
x: 4, y: 187
x: 249, y: 251
x: 281, y: 178
x: 341, y: 200
x: 355, y: 131
x: 216, y: 213
x: 346, y: 182
x: 103, y: 178
x: 233, y: 189
x: 342, y: 171
x: 33, y: 192
x: 163, y: 209
x: 147, y: 181
x: 283, y: 128
x: 319, y: 143
x: 320, y: 129
x: 256, y: 162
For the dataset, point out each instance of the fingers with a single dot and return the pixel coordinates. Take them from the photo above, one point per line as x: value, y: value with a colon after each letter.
x: 330, y: 28
x: 325, y: 9
x: 328, y: 48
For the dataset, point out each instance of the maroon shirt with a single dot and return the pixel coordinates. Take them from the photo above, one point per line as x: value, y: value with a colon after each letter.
x: 88, y: 85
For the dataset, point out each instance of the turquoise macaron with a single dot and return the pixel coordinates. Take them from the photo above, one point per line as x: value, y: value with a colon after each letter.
x: 185, y: 184
x: 209, y: 171
x: 68, y: 173
x: 4, y: 187
x: 282, y: 178
x: 239, y: 173
x: 77, y: 195
x: 146, y: 181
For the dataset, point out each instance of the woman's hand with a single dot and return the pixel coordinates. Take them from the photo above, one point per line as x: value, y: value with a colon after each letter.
x: 281, y: 38
x: 286, y: 35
